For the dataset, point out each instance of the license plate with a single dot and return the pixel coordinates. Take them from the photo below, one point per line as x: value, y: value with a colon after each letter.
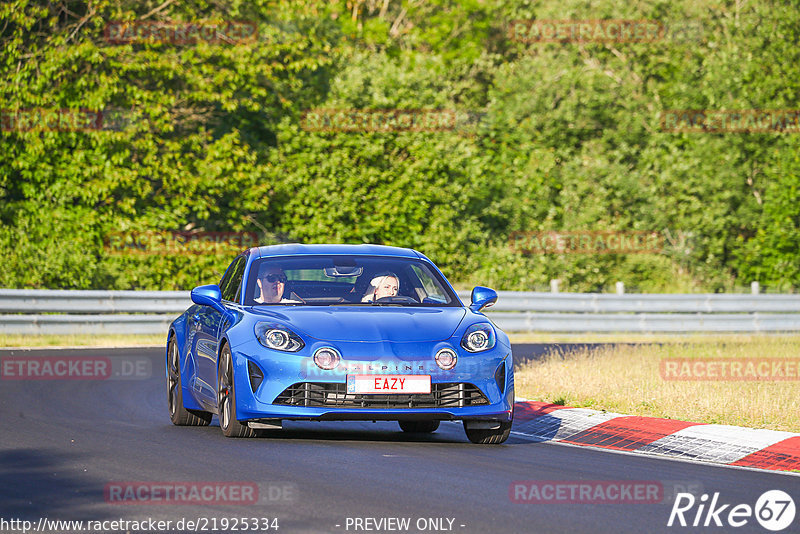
x: 388, y: 384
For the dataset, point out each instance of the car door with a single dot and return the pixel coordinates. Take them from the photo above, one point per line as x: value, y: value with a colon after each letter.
x: 206, y: 339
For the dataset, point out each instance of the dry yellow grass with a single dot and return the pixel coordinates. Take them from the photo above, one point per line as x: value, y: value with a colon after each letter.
x: 627, y: 337
x: 627, y: 379
x: 82, y: 340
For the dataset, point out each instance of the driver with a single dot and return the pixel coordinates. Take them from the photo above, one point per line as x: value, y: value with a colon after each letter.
x: 383, y: 285
x: 271, y: 283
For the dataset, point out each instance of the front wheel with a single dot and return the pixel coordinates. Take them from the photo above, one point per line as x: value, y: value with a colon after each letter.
x: 488, y: 436
x: 177, y: 413
x: 419, y: 427
x: 226, y: 399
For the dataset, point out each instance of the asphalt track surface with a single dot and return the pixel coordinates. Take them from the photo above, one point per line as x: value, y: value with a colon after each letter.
x: 63, y: 441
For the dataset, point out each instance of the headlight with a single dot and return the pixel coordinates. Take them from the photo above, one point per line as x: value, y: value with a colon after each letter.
x: 479, y: 337
x: 277, y: 337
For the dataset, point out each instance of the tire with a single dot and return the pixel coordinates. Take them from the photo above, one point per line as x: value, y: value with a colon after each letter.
x: 419, y: 427
x: 487, y: 436
x: 179, y: 415
x: 495, y: 436
x: 226, y: 399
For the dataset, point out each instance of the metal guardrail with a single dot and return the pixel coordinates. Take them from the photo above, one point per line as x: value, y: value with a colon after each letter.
x: 89, y: 311
x: 86, y: 324
x: 92, y: 301
x: 642, y: 303
x: 645, y: 322
x: 25, y: 311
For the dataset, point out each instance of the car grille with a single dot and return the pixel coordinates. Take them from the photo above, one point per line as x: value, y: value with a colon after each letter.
x: 321, y: 394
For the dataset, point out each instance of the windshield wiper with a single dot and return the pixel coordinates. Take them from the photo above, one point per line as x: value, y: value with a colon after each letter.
x: 287, y: 304
x: 365, y: 304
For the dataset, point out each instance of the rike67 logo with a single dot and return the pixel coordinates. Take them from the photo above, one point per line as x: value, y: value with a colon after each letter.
x: 774, y: 510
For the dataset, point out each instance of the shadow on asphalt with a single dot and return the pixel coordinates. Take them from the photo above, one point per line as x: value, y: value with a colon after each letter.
x: 38, y: 483
x: 388, y: 431
x: 448, y: 433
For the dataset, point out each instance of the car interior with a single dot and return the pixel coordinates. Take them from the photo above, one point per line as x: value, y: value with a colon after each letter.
x: 350, y: 286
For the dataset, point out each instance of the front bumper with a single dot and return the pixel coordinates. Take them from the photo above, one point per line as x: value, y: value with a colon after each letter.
x: 491, y: 372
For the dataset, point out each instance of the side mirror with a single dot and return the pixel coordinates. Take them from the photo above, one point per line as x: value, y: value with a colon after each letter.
x: 209, y: 295
x: 482, y: 297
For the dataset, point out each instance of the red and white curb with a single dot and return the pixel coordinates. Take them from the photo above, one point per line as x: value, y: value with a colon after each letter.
x: 729, y: 445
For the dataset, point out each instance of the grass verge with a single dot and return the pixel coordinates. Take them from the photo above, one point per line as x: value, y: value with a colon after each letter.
x: 628, y: 380
x: 622, y: 337
x: 82, y: 340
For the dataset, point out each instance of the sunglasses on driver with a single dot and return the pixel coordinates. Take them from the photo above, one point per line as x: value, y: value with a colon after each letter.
x: 275, y: 278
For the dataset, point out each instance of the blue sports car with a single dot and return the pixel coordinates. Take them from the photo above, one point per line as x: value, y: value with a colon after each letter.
x: 336, y: 333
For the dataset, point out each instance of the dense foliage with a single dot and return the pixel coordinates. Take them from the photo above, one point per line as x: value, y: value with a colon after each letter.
x: 210, y: 137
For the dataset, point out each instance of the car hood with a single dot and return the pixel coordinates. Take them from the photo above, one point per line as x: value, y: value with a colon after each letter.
x: 369, y: 324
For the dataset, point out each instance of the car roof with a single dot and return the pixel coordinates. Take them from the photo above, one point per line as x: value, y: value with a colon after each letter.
x: 297, y: 249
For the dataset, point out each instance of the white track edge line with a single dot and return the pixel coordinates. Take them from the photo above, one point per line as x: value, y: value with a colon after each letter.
x: 657, y: 456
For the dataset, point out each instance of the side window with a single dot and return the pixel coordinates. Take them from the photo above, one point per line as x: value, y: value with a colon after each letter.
x: 226, y: 278
x: 230, y: 283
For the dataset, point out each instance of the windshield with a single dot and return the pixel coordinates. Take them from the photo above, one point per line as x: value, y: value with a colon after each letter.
x: 346, y: 281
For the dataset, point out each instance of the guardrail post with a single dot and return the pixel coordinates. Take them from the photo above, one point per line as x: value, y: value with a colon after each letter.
x: 754, y: 288
x: 554, y: 285
x: 620, y: 288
